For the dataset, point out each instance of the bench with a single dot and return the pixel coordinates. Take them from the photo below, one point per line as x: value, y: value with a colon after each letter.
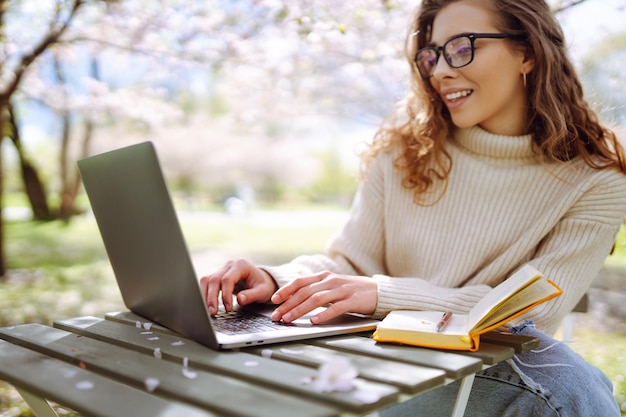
x: 569, y: 321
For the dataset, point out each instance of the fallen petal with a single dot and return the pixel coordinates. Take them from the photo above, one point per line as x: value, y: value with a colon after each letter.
x: 292, y: 351
x: 336, y: 375
x: 189, y: 374
x: 151, y: 384
x: 84, y: 385
x: 306, y: 380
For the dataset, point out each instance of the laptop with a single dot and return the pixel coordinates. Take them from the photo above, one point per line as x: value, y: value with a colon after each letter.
x: 152, y: 265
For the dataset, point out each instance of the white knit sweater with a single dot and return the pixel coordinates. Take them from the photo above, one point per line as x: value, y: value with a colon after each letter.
x: 502, y: 208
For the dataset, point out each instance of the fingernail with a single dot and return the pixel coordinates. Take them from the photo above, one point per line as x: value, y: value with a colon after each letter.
x: 211, y: 310
x: 315, y: 319
x: 275, y: 315
x: 287, y: 317
x: 242, y: 298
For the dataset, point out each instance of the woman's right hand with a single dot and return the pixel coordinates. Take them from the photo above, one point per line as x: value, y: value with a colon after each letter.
x: 250, y: 284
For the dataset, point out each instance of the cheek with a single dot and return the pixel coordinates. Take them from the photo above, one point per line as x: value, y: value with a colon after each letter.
x: 507, y: 71
x: 504, y: 87
x: 496, y: 81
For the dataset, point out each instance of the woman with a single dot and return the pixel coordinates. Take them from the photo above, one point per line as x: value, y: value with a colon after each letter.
x: 495, y: 161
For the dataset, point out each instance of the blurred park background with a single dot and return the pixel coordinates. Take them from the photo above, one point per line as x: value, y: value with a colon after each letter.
x: 258, y: 109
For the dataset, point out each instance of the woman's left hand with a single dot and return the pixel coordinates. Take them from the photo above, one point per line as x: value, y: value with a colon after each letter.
x: 342, y: 294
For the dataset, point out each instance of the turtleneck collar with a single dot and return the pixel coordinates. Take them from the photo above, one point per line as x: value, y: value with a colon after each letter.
x: 479, y: 141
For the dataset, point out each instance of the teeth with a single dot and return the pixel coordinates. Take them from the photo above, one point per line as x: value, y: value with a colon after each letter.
x: 458, y: 94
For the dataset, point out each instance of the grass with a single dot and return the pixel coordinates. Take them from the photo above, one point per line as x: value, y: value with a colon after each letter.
x: 61, y: 271
x: 607, y: 352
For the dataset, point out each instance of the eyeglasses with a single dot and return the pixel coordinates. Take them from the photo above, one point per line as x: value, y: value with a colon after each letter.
x: 458, y: 52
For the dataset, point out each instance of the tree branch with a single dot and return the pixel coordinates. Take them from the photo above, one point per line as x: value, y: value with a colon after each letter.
x: 51, y: 38
x: 4, y: 4
x: 566, y: 6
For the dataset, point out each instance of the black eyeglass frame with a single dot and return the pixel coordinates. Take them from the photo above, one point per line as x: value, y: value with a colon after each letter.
x: 439, y: 50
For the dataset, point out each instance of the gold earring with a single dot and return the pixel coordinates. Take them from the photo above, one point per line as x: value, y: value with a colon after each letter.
x: 524, y: 75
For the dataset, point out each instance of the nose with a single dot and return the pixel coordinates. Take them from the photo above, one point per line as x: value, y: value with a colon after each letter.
x: 443, y: 69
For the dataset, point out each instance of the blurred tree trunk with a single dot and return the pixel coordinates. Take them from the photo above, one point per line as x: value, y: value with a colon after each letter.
x: 3, y: 268
x: 3, y: 116
x: 70, y: 177
x: 35, y: 190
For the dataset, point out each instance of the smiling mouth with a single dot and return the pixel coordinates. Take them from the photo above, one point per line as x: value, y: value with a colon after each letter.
x: 458, y: 95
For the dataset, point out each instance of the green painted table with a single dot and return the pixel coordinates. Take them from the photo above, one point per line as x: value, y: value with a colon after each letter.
x: 115, y: 366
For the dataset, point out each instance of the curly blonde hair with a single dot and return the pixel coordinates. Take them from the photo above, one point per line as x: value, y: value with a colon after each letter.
x: 560, y: 132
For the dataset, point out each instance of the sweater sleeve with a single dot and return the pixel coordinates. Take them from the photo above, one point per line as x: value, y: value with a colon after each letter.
x: 574, y: 251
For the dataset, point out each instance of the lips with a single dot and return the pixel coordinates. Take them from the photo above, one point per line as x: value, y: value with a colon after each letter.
x: 455, y: 98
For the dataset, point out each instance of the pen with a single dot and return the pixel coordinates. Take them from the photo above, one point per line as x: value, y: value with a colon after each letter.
x: 445, y: 319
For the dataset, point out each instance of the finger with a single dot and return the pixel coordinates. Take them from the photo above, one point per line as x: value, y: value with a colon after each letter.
x: 242, y: 276
x: 307, y: 287
x: 257, y: 294
x: 333, y: 311
x: 227, y: 286
x: 204, y: 290
x: 211, y: 287
x: 210, y: 293
x: 291, y: 310
x: 294, y: 286
x: 259, y: 287
x: 204, y: 286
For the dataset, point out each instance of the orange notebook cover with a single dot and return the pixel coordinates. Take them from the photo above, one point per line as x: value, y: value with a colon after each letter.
x: 518, y: 294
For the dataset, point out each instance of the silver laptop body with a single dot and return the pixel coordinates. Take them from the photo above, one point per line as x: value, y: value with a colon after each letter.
x: 145, y: 245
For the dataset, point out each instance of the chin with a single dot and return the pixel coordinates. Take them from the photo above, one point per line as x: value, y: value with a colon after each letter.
x: 463, y: 124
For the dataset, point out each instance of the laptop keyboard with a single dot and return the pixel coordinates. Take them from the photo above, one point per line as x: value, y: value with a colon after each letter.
x: 238, y: 322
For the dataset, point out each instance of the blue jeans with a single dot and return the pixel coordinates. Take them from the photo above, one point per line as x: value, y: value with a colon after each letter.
x: 550, y: 381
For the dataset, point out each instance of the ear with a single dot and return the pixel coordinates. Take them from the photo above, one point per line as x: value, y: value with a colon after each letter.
x: 528, y: 64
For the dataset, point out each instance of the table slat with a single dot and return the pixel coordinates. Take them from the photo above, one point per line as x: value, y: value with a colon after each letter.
x: 491, y: 354
x: 131, y: 319
x: 454, y: 364
x: 521, y: 344
x: 410, y: 378
x: 82, y: 390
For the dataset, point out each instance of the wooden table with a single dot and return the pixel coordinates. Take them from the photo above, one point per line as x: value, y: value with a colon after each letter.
x: 111, y: 367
